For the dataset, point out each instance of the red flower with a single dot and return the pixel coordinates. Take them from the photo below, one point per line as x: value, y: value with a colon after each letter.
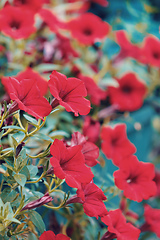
x: 96, y: 94
x: 152, y: 217
x: 68, y: 164
x: 69, y: 93
x: 88, y: 28
x: 27, y: 97
x: 91, y: 129
x: 49, y: 235
x: 62, y: 49
x: 92, y: 198
x: 127, y: 48
x: 118, y: 228
x: 89, y: 149
x: 33, y: 5
x: 29, y: 74
x: 151, y: 51
x: 157, y: 181
x: 115, y: 143
x: 136, y: 179
x: 16, y: 22
x: 51, y: 20
x: 103, y: 3
x: 130, y: 93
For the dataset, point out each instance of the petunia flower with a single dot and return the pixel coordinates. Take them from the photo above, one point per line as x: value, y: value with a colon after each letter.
x: 116, y: 144
x: 16, y: 22
x: 32, y: 5
x: 89, y: 149
x: 39, y: 202
x: 127, y: 48
x: 130, y: 93
x: 136, y: 179
x: 151, y: 51
x: 69, y: 93
x: 118, y: 228
x: 96, y: 93
x: 51, y: 20
x: 92, y: 198
x: 26, y: 96
x: 29, y: 74
x: 152, y: 220
x: 49, y: 235
x: 69, y: 164
x: 88, y: 28
x: 91, y: 129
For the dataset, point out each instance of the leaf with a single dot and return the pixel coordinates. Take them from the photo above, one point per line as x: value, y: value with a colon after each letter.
x: 33, y: 170
x: 47, y: 67
x: 25, y: 172
x: 43, y: 136
x: 30, y: 119
x: 21, y: 161
x: 8, y: 195
x: 59, y: 133
x: 37, y: 220
x: 12, y: 127
x: 31, y: 236
x: 20, y: 179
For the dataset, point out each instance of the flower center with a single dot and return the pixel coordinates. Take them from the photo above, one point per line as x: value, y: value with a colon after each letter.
x: 126, y: 89
x: 87, y: 32
x: 15, y: 25
x: 156, y: 55
x: 132, y: 180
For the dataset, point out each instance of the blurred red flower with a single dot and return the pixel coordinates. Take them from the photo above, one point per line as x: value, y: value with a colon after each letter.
x: 115, y: 143
x: 91, y: 129
x: 49, y: 235
x: 96, y: 93
x: 127, y: 48
x: 152, y: 217
x: 89, y: 149
x: 29, y: 74
x: 51, y: 20
x: 118, y: 228
x: 157, y: 181
x: 16, y: 22
x: 136, y: 179
x: 88, y: 28
x: 27, y: 97
x: 69, y: 93
x: 92, y: 198
x: 130, y: 93
x: 151, y: 51
x: 69, y: 164
x: 32, y: 5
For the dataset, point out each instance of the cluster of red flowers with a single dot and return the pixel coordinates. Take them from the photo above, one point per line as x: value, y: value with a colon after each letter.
x: 72, y: 160
x: 133, y: 176
x: 148, y: 53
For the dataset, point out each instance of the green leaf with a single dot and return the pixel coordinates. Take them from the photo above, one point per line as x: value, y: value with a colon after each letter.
x: 47, y: 67
x: 20, y: 179
x: 8, y: 195
x: 37, y: 221
x: 43, y: 136
x: 12, y: 127
x: 59, y: 133
x: 25, y: 172
x: 30, y: 119
x: 21, y: 161
x: 33, y: 170
x: 31, y: 236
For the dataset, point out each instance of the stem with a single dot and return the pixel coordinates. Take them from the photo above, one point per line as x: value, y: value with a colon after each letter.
x: 43, y: 174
